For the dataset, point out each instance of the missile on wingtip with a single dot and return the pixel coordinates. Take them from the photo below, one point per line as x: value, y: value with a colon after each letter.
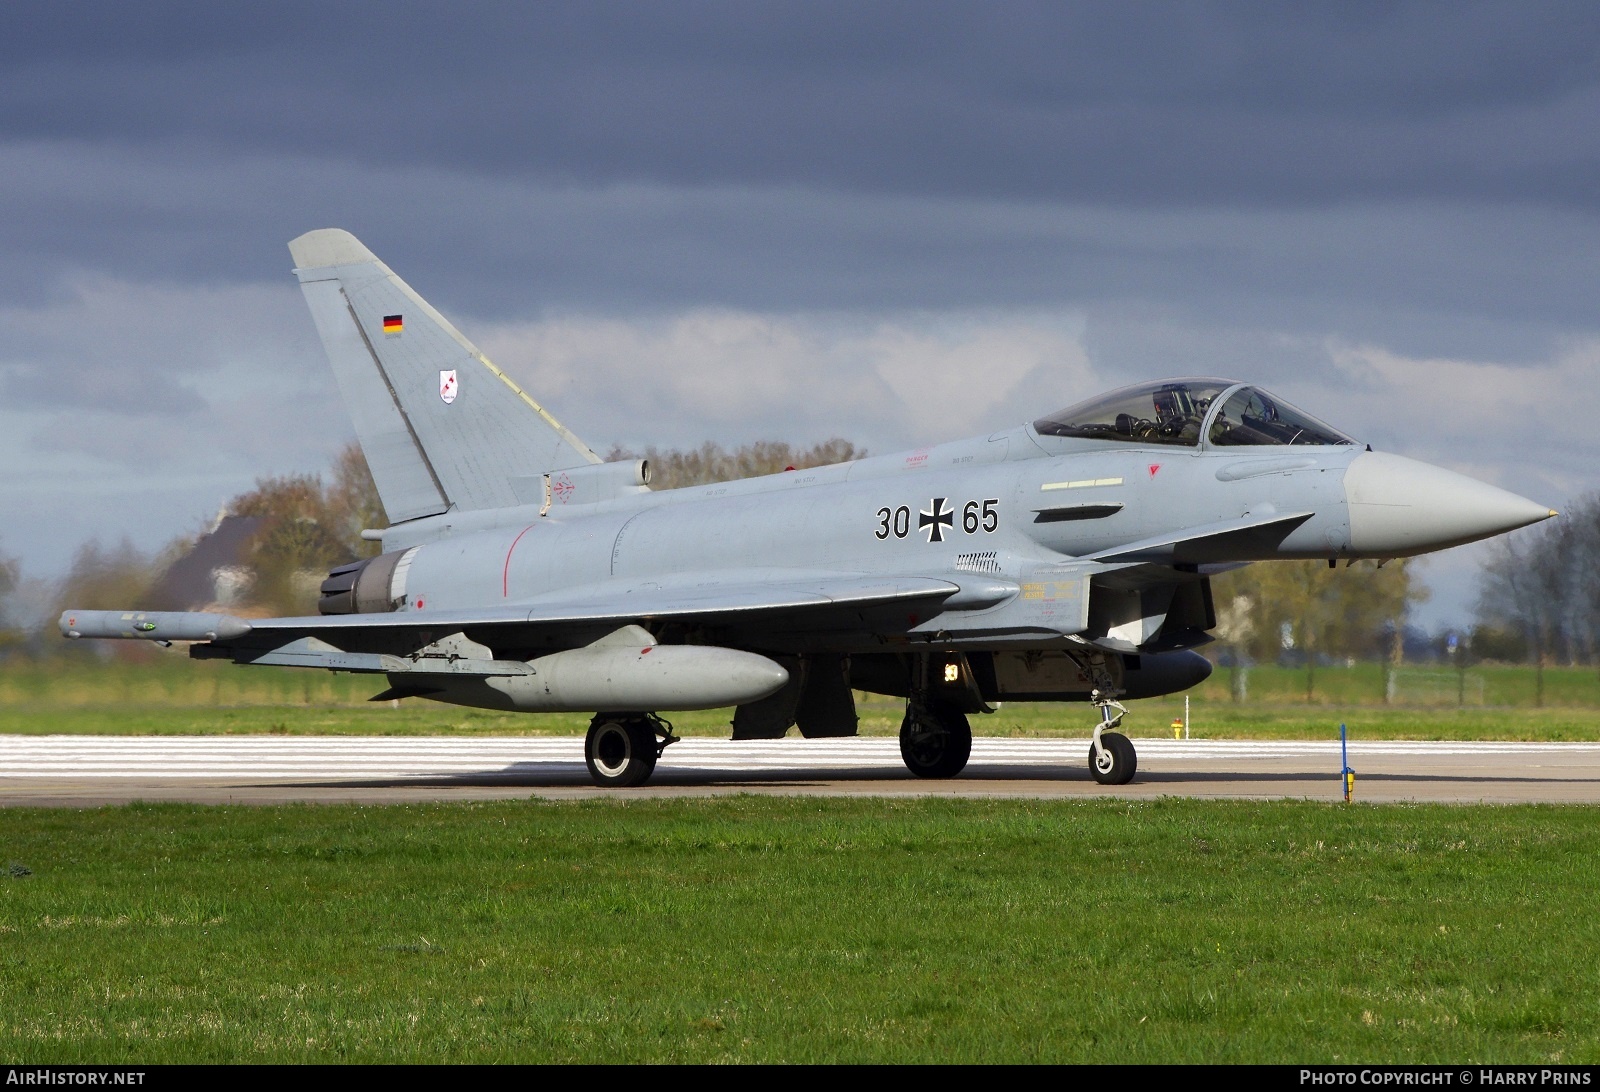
x: 634, y: 677
x: 155, y: 625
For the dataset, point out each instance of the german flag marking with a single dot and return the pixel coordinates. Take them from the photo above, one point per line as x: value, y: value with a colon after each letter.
x: 393, y: 324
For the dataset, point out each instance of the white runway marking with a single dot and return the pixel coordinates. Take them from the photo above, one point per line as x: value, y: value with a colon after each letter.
x: 390, y: 757
x: 84, y: 771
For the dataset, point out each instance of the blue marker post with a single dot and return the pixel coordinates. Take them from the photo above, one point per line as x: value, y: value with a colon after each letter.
x: 1347, y: 772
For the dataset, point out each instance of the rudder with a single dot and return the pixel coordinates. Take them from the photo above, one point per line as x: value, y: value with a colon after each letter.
x: 441, y: 426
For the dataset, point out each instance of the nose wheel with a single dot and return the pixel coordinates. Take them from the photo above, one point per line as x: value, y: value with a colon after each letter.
x: 1112, y: 759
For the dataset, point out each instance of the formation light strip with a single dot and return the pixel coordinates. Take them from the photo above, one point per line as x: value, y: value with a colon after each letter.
x: 1086, y: 483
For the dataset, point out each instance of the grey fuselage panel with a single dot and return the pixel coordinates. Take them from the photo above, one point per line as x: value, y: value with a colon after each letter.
x: 969, y: 522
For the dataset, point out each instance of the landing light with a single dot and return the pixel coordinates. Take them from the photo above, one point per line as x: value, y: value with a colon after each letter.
x: 952, y: 672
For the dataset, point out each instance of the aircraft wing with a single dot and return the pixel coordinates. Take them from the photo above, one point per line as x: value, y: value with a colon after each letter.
x: 695, y: 597
x: 699, y: 597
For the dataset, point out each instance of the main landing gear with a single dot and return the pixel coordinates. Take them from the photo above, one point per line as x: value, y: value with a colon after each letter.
x: 622, y: 748
x: 935, y: 738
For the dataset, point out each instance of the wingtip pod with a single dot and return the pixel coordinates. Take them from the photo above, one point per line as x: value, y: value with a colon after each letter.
x: 328, y: 247
x: 152, y: 625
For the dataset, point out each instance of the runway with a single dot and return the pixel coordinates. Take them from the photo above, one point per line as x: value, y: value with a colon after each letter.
x: 86, y: 771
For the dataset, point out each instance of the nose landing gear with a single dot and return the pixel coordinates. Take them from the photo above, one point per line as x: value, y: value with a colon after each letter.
x: 1112, y: 759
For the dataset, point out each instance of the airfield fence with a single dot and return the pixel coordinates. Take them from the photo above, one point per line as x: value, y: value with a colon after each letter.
x: 1490, y: 685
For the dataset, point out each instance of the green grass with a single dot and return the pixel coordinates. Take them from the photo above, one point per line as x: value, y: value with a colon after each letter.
x: 769, y: 929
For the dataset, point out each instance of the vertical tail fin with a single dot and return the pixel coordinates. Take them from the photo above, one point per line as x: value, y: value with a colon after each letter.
x: 441, y: 426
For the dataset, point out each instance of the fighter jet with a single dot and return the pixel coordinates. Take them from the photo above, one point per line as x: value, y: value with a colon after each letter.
x: 1066, y: 560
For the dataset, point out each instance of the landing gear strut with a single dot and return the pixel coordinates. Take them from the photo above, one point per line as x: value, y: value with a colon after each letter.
x: 1112, y: 759
x: 621, y: 749
x: 935, y: 739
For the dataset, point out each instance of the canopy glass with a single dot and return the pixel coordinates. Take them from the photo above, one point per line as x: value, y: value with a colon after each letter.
x: 1181, y: 411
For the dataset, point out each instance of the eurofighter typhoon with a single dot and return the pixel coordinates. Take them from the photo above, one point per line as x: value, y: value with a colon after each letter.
x: 1064, y: 560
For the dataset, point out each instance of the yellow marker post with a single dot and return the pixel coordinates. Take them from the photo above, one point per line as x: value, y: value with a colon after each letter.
x: 1347, y: 773
x: 1177, y: 727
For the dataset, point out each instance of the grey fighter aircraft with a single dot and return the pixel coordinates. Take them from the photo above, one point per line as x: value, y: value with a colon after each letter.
x: 1063, y: 560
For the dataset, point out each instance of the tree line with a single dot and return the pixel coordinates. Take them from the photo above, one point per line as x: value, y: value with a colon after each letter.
x: 1308, y: 612
x: 1539, y: 594
x: 711, y: 462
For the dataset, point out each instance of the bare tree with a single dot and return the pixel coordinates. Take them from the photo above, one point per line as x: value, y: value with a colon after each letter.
x: 1540, y: 590
x: 12, y: 635
x: 352, y: 501
x: 108, y: 577
x: 1514, y: 593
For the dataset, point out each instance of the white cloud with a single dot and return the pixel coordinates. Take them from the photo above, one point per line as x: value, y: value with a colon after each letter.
x: 139, y: 409
x: 1520, y: 425
x: 1523, y: 426
x: 735, y: 376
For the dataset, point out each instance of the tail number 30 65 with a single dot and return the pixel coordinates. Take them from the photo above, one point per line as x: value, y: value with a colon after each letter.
x: 976, y: 516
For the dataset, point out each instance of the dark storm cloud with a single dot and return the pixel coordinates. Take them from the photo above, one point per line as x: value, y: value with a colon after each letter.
x: 97, y: 385
x: 1123, y: 103
x: 496, y: 247
x: 816, y: 155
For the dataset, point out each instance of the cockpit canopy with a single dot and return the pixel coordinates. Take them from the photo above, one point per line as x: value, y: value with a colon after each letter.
x: 1180, y: 411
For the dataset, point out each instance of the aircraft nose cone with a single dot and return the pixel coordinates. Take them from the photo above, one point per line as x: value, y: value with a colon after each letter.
x: 1399, y: 507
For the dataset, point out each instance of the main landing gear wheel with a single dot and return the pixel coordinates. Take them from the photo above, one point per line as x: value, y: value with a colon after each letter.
x: 1113, y: 760
x: 935, y: 740
x: 620, y: 752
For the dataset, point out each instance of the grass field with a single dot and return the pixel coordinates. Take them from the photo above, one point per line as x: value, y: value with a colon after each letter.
x: 169, y: 695
x: 765, y: 929
x: 772, y: 929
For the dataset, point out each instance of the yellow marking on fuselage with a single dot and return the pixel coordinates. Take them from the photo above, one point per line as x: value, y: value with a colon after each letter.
x: 1051, y: 589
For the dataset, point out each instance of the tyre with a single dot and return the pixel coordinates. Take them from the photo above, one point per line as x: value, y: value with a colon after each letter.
x: 620, y: 752
x: 935, y: 741
x: 1114, y: 761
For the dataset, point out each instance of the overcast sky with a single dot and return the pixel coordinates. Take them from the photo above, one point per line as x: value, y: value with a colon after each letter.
x: 896, y: 223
